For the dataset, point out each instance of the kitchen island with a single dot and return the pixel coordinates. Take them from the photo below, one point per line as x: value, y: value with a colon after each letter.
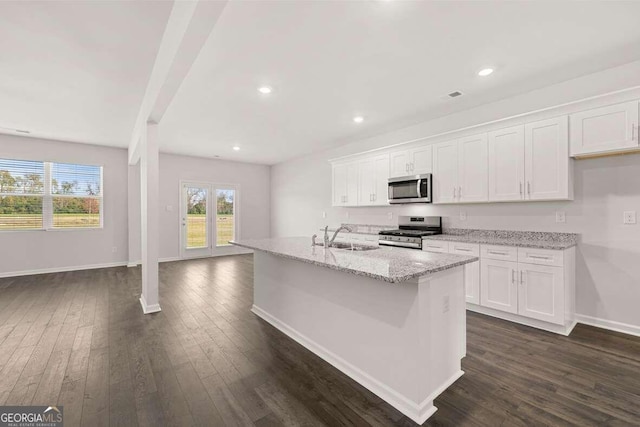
x: 393, y: 319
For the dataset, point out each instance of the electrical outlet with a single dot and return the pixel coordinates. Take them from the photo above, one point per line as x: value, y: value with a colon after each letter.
x: 463, y: 216
x: 445, y: 304
x: 561, y: 217
x: 324, y: 214
x: 629, y: 217
x: 169, y: 208
x: 390, y: 215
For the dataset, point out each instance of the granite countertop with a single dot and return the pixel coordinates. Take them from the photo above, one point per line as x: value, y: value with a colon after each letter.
x: 523, y: 239
x: 393, y: 265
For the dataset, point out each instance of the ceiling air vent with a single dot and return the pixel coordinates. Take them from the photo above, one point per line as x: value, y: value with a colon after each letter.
x: 455, y: 94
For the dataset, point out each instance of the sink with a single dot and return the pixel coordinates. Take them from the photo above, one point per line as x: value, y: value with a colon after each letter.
x: 352, y: 247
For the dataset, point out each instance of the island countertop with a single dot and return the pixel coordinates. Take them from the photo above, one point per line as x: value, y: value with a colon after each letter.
x: 389, y: 264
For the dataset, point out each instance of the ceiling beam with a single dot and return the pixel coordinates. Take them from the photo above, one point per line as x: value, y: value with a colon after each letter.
x: 188, y: 27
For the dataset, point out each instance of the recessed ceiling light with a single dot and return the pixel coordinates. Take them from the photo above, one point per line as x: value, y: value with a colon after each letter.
x: 236, y: 148
x: 265, y: 90
x: 485, y: 72
x: 358, y: 119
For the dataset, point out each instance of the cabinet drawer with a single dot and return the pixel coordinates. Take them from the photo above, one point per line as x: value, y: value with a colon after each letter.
x: 503, y: 253
x: 470, y: 249
x: 541, y: 256
x: 435, y: 246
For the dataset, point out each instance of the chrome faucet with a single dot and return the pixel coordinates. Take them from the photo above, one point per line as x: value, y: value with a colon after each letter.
x: 328, y: 242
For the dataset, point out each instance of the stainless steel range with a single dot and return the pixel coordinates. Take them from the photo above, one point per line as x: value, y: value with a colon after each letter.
x: 411, y: 231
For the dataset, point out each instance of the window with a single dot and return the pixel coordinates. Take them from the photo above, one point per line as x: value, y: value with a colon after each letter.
x: 225, y: 219
x: 44, y: 195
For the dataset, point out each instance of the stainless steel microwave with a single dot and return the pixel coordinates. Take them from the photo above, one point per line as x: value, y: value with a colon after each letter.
x: 410, y: 189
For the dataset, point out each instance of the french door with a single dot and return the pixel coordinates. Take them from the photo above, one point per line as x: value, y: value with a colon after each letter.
x: 208, y: 219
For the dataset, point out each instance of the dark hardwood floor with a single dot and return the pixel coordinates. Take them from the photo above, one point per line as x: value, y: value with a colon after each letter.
x: 79, y: 339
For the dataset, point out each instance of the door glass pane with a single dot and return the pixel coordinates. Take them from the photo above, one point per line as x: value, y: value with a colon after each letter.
x: 196, y: 202
x: 225, y: 219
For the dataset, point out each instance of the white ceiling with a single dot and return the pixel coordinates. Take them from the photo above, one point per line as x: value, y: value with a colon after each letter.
x: 78, y: 71
x: 75, y: 70
x: 390, y: 61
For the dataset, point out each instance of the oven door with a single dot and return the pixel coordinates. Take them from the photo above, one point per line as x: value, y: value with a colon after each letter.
x: 410, y: 189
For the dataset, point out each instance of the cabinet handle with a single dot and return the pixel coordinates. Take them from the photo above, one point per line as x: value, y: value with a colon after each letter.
x: 513, y: 276
x: 521, y: 188
x: 462, y: 249
x: 454, y: 192
x: 529, y: 187
x: 498, y: 253
x: 633, y: 132
x: 521, y: 277
x: 539, y: 257
x: 412, y: 166
x: 406, y: 167
x: 459, y: 192
x: 375, y: 197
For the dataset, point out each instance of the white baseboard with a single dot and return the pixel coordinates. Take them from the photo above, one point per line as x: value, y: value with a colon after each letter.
x: 148, y: 309
x: 534, y: 323
x: 62, y: 269
x: 611, y: 325
x: 418, y: 412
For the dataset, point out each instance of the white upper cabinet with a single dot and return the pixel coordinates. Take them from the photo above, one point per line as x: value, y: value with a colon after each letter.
x: 445, y: 172
x: 421, y: 160
x: 399, y: 163
x: 345, y: 184
x: 381, y: 180
x: 547, y: 160
x: 366, y: 182
x: 506, y: 164
x: 606, y: 129
x: 415, y: 161
x: 460, y: 170
x: 473, y: 169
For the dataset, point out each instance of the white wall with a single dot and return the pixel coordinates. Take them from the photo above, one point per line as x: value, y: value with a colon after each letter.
x: 24, y: 251
x: 254, y: 194
x: 608, y: 259
x: 38, y: 251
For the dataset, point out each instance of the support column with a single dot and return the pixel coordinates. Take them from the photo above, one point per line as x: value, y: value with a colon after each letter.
x: 149, y: 178
x: 134, y: 215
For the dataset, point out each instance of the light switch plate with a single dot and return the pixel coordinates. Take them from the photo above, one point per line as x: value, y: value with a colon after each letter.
x: 324, y: 214
x: 463, y: 216
x: 561, y: 217
x: 630, y: 217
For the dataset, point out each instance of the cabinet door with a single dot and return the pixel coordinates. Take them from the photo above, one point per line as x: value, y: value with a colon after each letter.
x: 366, y: 179
x: 541, y: 293
x: 471, y: 271
x: 498, y: 285
x: 399, y: 164
x: 445, y: 172
x: 547, y: 159
x: 506, y: 164
x: 421, y: 160
x: 610, y: 128
x: 473, y: 169
x: 381, y: 180
x: 352, y: 184
x: 339, y: 185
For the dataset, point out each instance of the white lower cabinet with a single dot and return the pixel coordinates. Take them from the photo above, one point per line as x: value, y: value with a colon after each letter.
x: 498, y: 285
x: 532, y: 286
x: 471, y: 271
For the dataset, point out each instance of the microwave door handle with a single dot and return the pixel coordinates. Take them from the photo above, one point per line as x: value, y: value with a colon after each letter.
x: 418, y: 187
